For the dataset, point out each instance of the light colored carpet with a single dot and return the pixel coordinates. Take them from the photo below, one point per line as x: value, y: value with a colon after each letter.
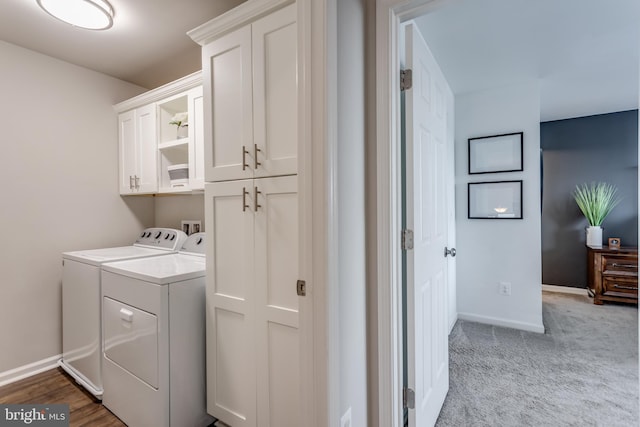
x: 582, y: 372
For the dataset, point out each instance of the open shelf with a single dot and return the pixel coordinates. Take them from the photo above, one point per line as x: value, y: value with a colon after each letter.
x: 173, y: 143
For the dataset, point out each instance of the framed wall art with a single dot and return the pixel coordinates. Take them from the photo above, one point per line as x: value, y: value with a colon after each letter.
x: 495, y: 200
x: 496, y: 153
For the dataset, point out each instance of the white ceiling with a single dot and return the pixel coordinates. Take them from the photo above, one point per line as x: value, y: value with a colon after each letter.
x: 147, y: 44
x: 585, y: 53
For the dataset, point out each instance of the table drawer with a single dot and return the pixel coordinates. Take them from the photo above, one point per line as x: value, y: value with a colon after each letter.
x: 620, y: 285
x: 620, y: 263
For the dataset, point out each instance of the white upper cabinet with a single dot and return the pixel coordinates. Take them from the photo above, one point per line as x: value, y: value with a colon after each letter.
x: 161, y: 139
x: 251, y: 75
x: 137, y: 145
x: 275, y: 93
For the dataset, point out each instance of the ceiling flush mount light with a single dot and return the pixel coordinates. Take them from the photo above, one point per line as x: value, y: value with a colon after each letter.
x: 89, y: 14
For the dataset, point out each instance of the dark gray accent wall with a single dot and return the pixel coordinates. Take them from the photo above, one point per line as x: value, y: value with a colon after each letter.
x: 577, y: 151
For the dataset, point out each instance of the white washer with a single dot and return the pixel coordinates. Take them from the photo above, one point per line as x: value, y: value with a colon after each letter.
x: 81, y: 301
x: 154, y: 338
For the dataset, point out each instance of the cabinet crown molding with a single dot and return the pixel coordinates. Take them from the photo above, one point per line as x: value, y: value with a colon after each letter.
x: 175, y: 87
x: 236, y: 17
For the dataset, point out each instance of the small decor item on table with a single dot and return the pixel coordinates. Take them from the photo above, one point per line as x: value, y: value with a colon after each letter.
x: 596, y: 202
x: 614, y: 243
x: 180, y: 120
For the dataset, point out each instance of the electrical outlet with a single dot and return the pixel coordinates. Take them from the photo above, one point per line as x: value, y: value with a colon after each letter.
x: 345, y: 421
x: 504, y: 288
x: 191, y: 226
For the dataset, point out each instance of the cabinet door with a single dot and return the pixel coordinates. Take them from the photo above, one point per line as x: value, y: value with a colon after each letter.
x: 275, y: 93
x: 127, y: 152
x: 196, y: 135
x: 226, y: 72
x: 277, y: 326
x: 147, y: 146
x: 230, y: 302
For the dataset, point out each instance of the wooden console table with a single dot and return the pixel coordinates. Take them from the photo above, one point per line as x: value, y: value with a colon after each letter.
x: 613, y: 274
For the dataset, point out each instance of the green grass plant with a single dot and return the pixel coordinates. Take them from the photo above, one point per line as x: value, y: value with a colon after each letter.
x: 596, y: 201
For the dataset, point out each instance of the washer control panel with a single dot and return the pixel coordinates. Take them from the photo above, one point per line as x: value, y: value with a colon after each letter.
x: 161, y: 238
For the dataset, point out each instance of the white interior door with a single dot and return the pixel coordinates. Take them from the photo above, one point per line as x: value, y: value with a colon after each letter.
x: 426, y: 107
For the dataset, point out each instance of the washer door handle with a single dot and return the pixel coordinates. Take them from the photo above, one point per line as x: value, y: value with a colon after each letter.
x: 126, y: 315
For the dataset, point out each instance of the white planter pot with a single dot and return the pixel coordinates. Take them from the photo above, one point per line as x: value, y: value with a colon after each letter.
x: 594, y: 235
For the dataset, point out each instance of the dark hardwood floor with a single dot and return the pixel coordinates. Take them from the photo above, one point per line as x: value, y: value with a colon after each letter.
x: 55, y: 386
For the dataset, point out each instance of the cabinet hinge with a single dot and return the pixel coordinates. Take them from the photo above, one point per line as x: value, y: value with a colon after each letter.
x: 407, y: 239
x: 301, y: 288
x: 406, y: 79
x: 408, y: 398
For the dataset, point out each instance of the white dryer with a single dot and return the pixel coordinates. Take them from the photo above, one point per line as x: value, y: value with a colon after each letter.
x: 154, y: 338
x: 81, y: 301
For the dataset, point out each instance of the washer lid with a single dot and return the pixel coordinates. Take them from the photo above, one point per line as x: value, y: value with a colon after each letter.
x: 160, y: 270
x: 100, y: 256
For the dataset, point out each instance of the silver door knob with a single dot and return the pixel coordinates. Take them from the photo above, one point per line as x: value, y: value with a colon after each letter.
x: 448, y: 251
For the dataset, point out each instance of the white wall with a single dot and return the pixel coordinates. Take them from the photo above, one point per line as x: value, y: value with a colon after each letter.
x: 351, y: 211
x: 171, y: 210
x: 59, y: 190
x: 492, y: 251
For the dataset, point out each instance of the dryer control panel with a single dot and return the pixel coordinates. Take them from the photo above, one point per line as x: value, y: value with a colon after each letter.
x: 194, y: 245
x: 161, y: 238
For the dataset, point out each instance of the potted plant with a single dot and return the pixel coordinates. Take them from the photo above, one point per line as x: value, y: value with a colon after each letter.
x: 596, y: 201
x: 180, y: 120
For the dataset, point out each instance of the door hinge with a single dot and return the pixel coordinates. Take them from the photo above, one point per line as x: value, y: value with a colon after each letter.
x: 408, y: 398
x: 406, y: 79
x: 407, y: 239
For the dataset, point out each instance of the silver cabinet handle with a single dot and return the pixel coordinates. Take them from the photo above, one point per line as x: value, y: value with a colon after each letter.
x: 244, y: 158
x: 256, y: 150
x: 130, y: 182
x: 137, y: 182
x: 244, y: 199
x: 448, y: 251
x: 255, y: 198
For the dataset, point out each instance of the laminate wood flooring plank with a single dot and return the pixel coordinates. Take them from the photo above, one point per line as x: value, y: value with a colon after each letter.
x: 55, y: 386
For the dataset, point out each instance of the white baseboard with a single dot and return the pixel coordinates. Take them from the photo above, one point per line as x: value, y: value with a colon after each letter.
x: 565, y: 290
x: 452, y: 322
x: 530, y: 327
x: 22, y: 372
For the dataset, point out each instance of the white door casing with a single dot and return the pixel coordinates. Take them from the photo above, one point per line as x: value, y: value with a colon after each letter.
x: 426, y: 172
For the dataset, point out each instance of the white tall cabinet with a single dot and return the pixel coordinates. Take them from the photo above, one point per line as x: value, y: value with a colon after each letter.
x: 250, y: 81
